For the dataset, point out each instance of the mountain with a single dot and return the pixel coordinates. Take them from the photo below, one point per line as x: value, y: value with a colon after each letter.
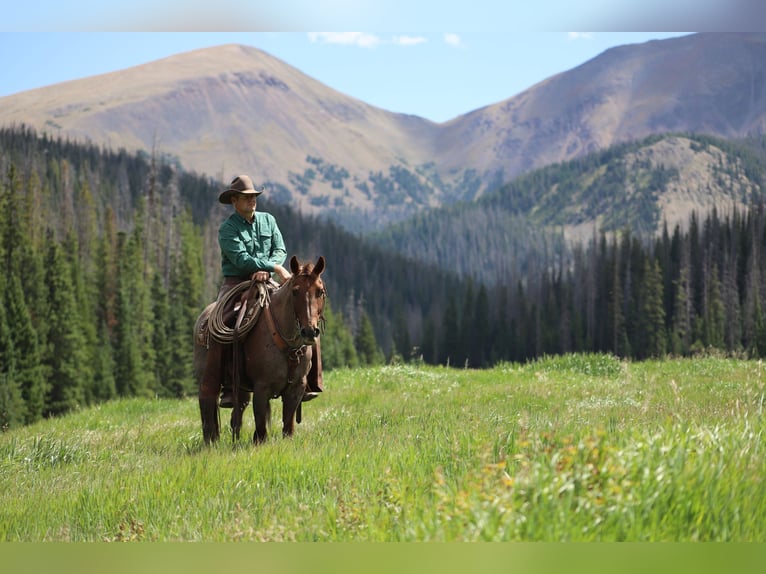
x: 231, y: 109
x: 703, y: 83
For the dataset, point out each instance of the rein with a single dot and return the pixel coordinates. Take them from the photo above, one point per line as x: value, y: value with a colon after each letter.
x: 277, y: 336
x: 283, y: 343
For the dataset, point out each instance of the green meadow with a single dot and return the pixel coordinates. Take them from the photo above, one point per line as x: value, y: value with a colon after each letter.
x: 572, y: 448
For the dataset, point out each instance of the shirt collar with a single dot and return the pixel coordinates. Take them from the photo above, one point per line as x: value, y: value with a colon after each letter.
x: 243, y: 220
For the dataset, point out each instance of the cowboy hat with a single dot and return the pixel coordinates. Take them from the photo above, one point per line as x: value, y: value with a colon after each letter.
x: 240, y: 184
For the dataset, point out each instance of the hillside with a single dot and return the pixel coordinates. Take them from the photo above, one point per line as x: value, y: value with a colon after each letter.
x: 644, y: 186
x: 231, y: 109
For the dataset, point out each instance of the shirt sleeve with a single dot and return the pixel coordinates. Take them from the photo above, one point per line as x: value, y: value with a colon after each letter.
x: 278, y: 249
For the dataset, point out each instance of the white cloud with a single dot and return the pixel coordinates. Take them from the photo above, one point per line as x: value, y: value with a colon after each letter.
x: 453, y: 40
x: 580, y: 35
x: 409, y: 40
x: 346, y: 38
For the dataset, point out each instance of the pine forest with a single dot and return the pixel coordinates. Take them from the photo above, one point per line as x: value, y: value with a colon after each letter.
x: 108, y: 258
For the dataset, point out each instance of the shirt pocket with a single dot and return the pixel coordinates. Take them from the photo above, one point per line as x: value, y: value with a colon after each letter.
x: 264, y: 240
x: 248, y: 242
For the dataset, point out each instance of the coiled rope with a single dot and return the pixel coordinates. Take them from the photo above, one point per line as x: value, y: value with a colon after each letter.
x: 222, y: 332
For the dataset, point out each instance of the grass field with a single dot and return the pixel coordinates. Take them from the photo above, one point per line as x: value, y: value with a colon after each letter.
x: 573, y: 448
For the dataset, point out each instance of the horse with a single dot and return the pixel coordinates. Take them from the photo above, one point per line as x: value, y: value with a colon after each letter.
x: 277, y: 354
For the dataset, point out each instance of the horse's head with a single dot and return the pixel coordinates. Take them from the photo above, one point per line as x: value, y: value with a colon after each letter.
x: 308, y: 295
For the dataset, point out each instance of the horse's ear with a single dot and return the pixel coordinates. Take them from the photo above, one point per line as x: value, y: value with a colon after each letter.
x: 319, y: 267
x: 294, y: 265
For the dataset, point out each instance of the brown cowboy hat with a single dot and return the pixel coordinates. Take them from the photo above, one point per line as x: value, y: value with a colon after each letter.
x: 240, y: 184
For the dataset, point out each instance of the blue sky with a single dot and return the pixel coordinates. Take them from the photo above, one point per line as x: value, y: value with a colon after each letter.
x: 437, y: 76
x: 438, y: 59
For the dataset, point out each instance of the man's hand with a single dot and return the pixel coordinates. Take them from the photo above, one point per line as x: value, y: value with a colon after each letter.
x: 283, y: 273
x: 261, y: 276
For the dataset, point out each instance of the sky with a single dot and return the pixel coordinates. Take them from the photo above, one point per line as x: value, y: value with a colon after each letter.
x: 439, y: 60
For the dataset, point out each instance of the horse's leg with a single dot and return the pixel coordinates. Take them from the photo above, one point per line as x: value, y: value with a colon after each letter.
x: 291, y: 400
x: 262, y: 414
x: 236, y: 424
x: 209, y: 387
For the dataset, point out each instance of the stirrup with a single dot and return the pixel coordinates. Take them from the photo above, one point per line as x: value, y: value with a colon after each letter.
x: 227, y: 400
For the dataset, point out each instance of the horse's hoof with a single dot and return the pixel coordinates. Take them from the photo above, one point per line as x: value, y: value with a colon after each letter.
x: 309, y: 396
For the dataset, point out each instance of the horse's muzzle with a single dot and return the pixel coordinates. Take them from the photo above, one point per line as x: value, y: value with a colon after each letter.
x: 309, y: 333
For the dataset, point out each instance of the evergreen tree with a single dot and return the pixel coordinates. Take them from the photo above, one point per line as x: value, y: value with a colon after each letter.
x: 757, y: 347
x: 651, y: 330
x: 428, y: 343
x: 732, y: 310
x: 104, y: 385
x: 127, y: 355
x: 715, y: 313
x: 697, y: 276
x: 620, y: 342
x: 366, y: 345
x: 450, y: 332
x: 186, y: 285
x: 11, y: 217
x: 466, y: 353
x: 682, y: 318
x: 84, y: 295
x: 522, y: 331
x: 163, y: 340
x: 752, y: 319
x: 65, y: 355
x: 501, y: 336
x: 29, y: 370
x: 12, y: 406
x: 481, y: 350
x: 106, y: 273
x: 338, y: 349
x: 134, y: 355
x: 401, y: 333
x: 23, y: 370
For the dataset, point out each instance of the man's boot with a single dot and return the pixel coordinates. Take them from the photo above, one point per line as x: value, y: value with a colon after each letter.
x: 227, y: 395
x: 314, y: 379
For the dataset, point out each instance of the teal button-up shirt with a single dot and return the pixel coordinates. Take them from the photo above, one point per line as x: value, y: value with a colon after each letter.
x: 249, y: 247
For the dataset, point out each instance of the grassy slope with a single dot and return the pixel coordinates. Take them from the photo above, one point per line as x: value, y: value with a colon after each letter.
x: 572, y: 448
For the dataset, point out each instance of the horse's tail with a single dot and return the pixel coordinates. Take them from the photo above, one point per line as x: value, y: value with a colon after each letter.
x: 207, y: 390
x: 236, y: 414
x: 236, y: 374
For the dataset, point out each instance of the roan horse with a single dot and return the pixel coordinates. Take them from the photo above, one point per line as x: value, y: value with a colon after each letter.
x: 276, y: 356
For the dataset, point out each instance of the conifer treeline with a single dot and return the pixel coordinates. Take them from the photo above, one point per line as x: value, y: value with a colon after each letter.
x: 682, y: 294
x: 100, y: 280
x: 107, y: 258
x: 106, y: 261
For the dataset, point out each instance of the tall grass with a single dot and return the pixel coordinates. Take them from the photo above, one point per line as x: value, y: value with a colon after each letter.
x: 573, y: 448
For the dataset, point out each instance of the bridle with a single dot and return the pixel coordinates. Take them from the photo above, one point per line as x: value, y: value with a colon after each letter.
x: 294, y: 345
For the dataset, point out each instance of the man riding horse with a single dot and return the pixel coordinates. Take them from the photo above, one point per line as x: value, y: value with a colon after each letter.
x: 252, y: 247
